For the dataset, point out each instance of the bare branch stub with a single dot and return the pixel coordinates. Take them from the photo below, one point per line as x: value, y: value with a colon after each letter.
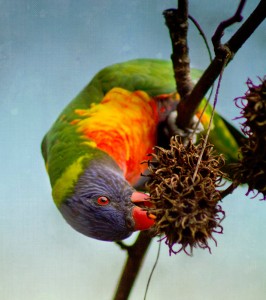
x: 177, y: 23
x: 123, y: 246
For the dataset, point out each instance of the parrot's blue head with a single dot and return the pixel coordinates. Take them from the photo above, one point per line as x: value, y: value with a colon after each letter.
x: 103, y: 205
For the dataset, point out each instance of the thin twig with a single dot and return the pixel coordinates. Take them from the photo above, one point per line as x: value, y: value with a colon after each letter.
x: 123, y: 246
x: 177, y: 23
x: 153, y: 268
x: 210, y: 123
x: 197, y: 25
x: 248, y: 27
x: 188, y: 108
x: 237, y: 17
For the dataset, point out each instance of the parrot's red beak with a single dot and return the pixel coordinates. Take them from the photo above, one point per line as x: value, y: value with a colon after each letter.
x: 142, y: 219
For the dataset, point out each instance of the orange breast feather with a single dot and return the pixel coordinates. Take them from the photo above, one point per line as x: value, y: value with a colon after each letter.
x: 124, y: 126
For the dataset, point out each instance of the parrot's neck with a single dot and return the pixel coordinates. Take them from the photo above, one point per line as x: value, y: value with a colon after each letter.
x: 124, y: 126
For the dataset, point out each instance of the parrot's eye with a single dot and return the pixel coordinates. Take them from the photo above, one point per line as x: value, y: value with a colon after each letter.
x: 102, y: 200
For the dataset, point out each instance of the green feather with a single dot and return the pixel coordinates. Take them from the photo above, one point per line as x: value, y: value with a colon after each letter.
x: 62, y: 148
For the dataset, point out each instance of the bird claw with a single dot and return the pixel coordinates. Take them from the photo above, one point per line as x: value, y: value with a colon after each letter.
x: 188, y: 133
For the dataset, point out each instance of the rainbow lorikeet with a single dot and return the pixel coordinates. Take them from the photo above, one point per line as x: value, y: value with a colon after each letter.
x: 93, y: 151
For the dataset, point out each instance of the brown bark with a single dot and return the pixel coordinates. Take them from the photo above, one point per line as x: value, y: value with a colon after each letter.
x: 136, y: 254
x: 188, y: 107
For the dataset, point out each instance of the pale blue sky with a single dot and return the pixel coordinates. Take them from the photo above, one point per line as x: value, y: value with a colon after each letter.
x: 48, y: 51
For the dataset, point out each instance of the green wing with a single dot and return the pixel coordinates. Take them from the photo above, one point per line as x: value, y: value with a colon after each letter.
x: 62, y: 146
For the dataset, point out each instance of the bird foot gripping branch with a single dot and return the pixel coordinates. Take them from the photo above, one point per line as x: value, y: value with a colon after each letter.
x: 187, y: 134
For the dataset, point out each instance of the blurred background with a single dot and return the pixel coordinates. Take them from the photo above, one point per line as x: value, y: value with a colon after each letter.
x: 49, y: 50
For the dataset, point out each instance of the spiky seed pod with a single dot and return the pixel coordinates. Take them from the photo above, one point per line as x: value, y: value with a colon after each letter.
x: 252, y: 167
x: 187, y: 211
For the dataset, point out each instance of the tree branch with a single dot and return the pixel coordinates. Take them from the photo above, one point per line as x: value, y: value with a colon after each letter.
x: 188, y: 106
x: 180, y: 58
x: 229, y: 190
x: 136, y: 254
x: 237, y: 17
x: 177, y: 23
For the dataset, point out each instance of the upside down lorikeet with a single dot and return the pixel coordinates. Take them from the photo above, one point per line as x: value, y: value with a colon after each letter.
x: 93, y: 151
